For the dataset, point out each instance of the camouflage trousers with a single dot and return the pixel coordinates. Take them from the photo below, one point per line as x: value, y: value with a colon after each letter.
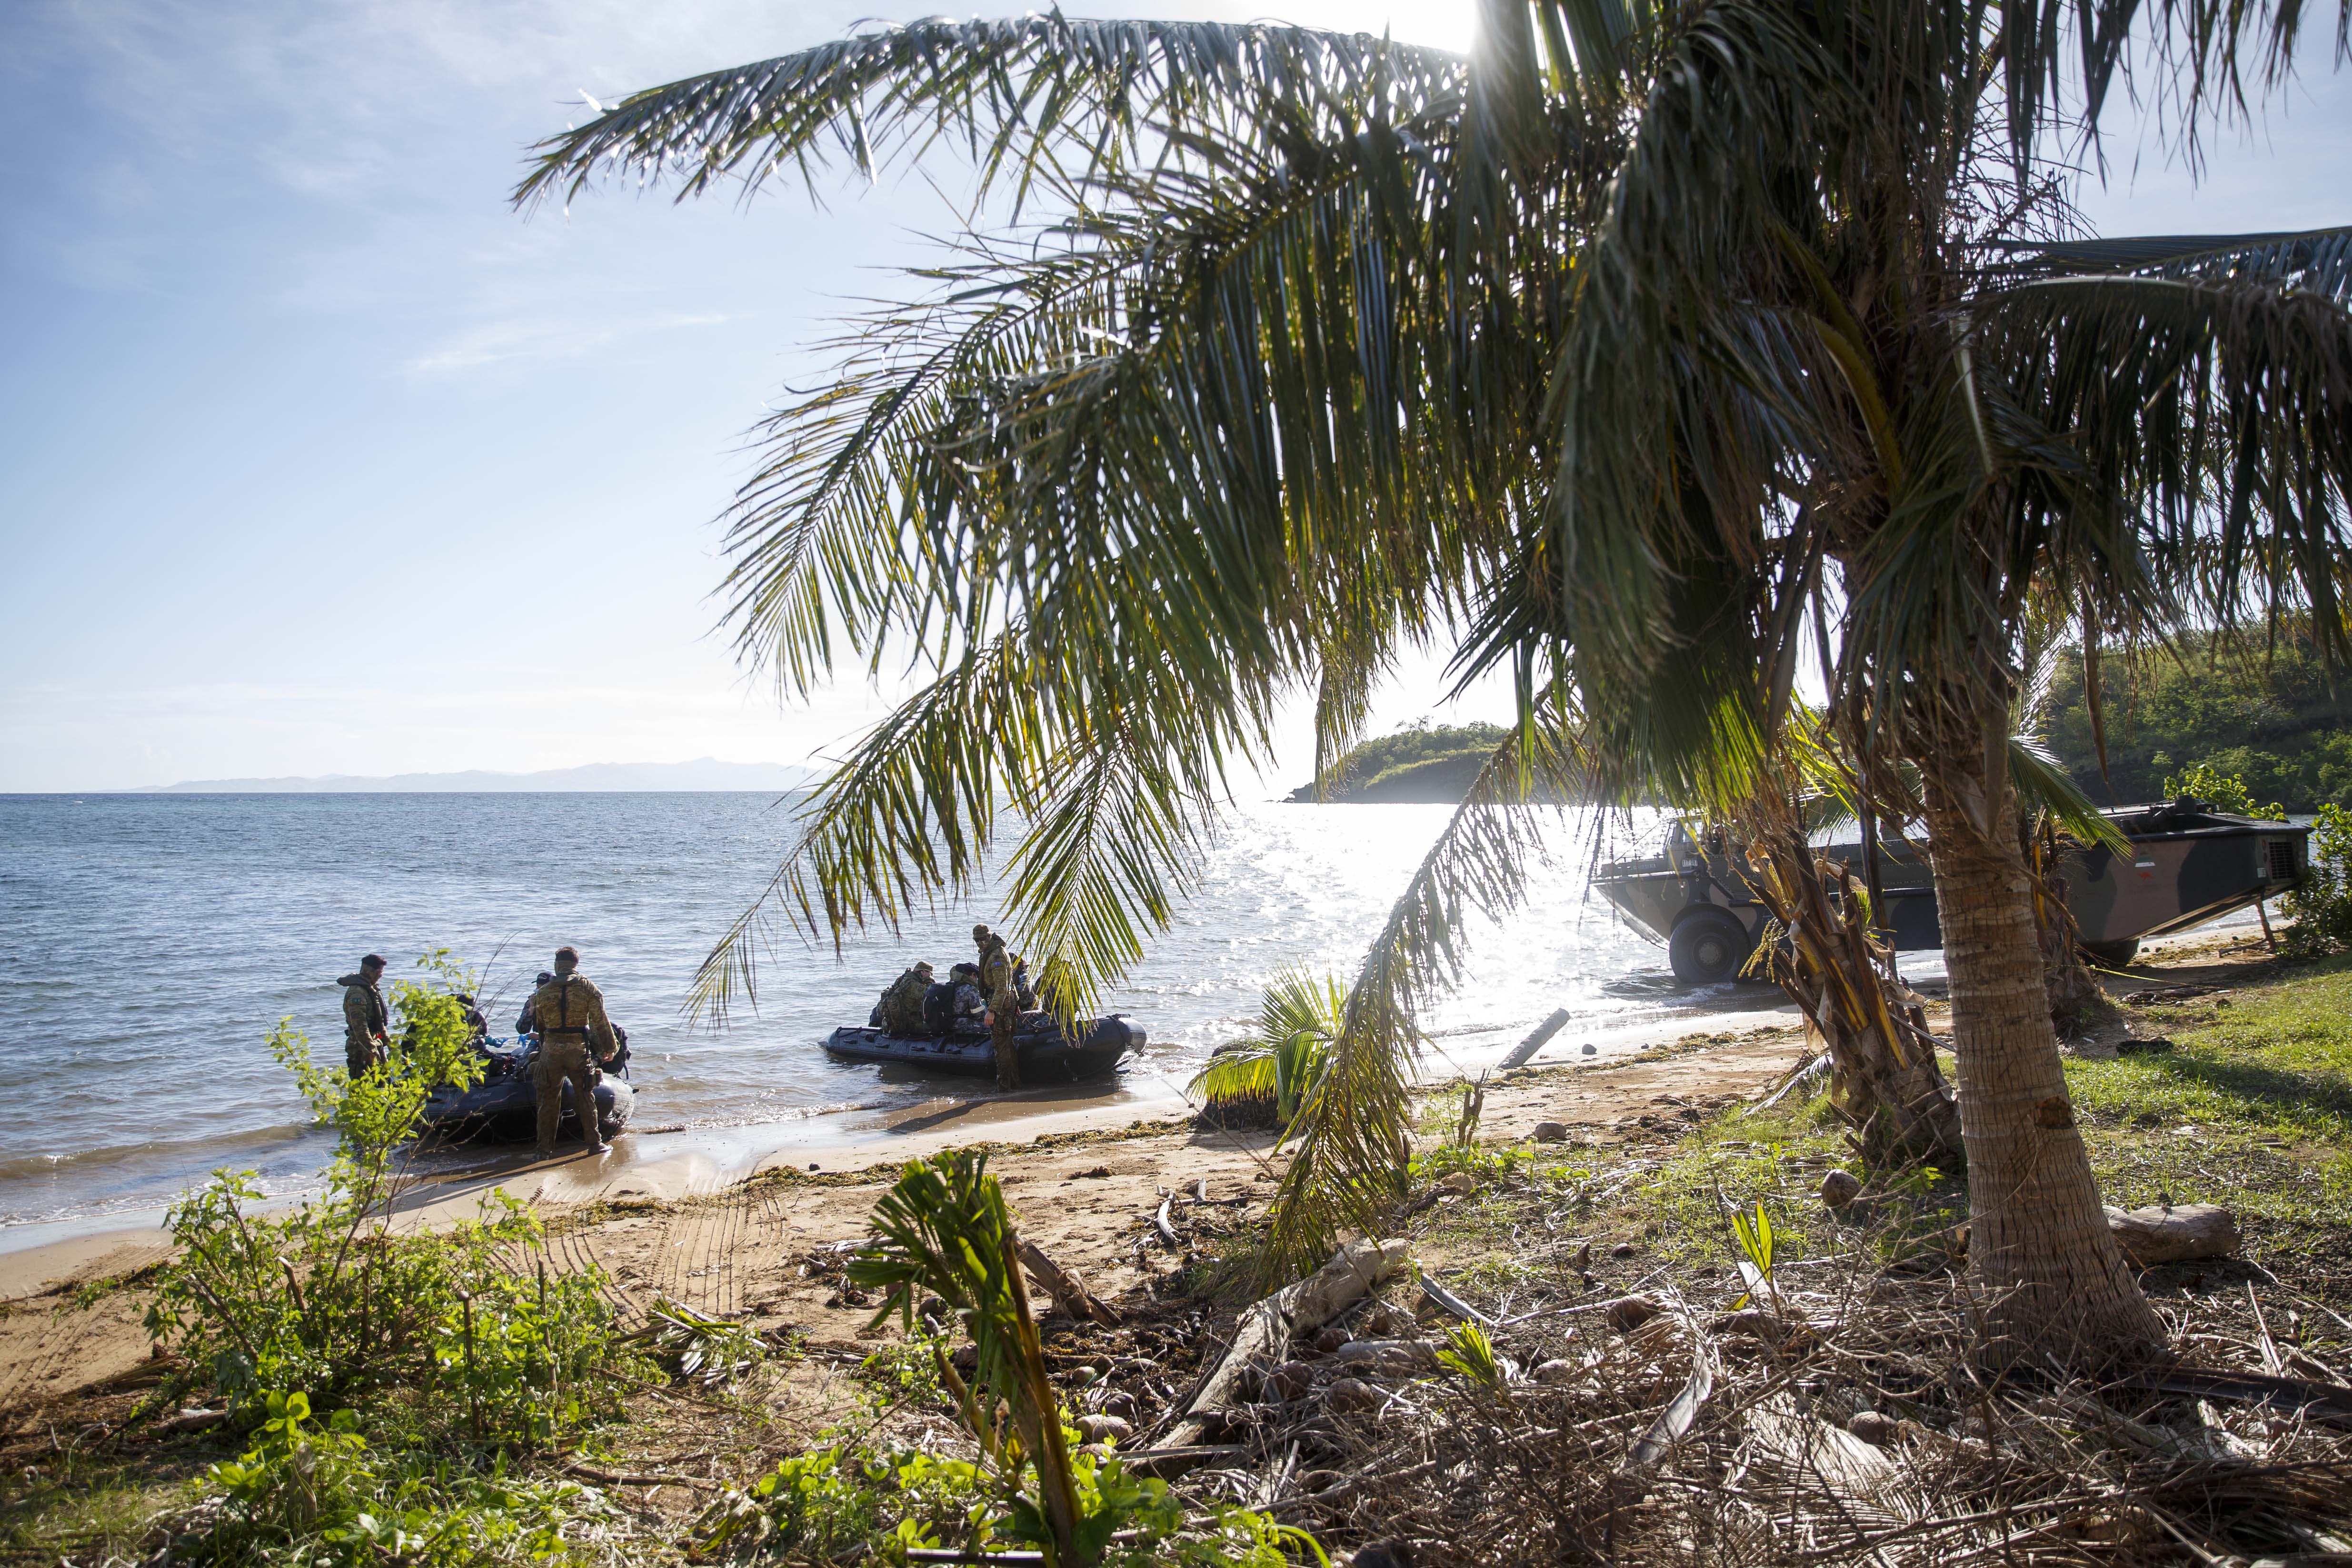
x: 1003, y: 1023
x: 360, y: 1054
x: 558, y: 1060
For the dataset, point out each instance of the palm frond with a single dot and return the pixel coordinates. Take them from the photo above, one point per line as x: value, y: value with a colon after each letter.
x: 1243, y: 1072
x: 2220, y: 411
x: 1016, y: 97
x: 2044, y: 785
x: 1350, y: 1166
x: 2316, y: 260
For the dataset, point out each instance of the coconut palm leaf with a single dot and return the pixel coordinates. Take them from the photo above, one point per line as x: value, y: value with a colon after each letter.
x: 2222, y: 408
x: 1298, y: 1017
x: 1349, y: 1169
x: 1243, y: 1072
x: 2315, y: 261
x: 1016, y: 97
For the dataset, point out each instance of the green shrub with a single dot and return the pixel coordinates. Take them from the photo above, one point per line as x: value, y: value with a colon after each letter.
x: 2221, y: 791
x: 837, y: 1503
x: 460, y: 1334
x: 307, y: 1492
x: 2321, y: 907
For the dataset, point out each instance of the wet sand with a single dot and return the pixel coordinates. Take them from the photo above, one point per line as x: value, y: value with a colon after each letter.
x: 665, y: 1166
x: 682, y: 1223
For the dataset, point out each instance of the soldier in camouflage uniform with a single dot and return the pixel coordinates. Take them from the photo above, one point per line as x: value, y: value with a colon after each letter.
x: 570, y: 1012
x: 365, y: 1018
x: 902, y: 1005
x: 1004, y: 1004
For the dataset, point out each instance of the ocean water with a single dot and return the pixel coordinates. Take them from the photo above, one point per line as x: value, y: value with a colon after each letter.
x: 148, y: 944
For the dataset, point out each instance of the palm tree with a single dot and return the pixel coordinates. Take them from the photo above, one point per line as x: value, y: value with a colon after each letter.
x: 1616, y: 354
x: 1821, y: 286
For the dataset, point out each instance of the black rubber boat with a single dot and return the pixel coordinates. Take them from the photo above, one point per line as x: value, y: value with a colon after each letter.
x: 1046, y: 1057
x: 505, y: 1104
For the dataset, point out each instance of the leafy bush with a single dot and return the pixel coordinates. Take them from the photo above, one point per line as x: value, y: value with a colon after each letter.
x: 329, y: 1299
x: 838, y: 1503
x: 2321, y: 907
x: 2223, y: 792
x: 312, y: 1492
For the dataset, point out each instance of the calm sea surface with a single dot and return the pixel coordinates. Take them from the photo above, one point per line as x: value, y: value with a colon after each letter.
x: 149, y: 942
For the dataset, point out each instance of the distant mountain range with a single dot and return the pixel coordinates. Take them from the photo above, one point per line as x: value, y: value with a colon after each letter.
x: 703, y: 773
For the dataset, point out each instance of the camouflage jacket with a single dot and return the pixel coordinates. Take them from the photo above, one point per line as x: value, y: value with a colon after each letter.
x: 996, y: 972
x: 570, y: 1007
x: 365, y: 1020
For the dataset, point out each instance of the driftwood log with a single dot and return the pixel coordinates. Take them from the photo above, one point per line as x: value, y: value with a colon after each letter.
x: 1069, y: 1292
x: 2149, y: 1236
x: 1262, y: 1334
x: 1536, y: 1041
x: 2153, y: 1236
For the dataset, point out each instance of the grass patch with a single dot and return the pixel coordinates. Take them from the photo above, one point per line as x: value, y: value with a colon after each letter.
x: 2251, y: 1107
x: 89, y: 1506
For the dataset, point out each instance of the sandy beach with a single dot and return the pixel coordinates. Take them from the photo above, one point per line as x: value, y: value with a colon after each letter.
x: 668, y: 1165
x: 728, y: 1224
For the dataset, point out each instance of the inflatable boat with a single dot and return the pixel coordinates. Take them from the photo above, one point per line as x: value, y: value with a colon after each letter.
x: 1047, y: 1055
x: 505, y: 1104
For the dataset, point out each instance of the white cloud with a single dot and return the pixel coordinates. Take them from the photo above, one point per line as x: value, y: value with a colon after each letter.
x: 552, y: 339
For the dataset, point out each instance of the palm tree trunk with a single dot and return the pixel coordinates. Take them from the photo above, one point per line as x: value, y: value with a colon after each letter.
x: 2051, y: 1277
x: 2075, y: 999
x: 1884, y: 1081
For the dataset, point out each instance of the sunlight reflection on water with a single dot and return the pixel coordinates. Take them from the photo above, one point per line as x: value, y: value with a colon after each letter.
x: 151, y: 942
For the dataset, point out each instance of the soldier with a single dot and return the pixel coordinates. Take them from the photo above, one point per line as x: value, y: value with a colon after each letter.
x: 570, y: 1013
x: 526, y: 1022
x: 902, y: 1005
x: 478, y: 1027
x: 1003, y: 1006
x: 365, y: 1020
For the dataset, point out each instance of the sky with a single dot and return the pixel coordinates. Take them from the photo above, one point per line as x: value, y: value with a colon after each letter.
x: 317, y: 458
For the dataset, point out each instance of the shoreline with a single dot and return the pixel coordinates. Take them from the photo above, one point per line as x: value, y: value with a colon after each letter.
x: 669, y: 1166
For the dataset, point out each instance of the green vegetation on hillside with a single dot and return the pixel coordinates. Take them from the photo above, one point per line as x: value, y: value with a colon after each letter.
x: 1423, y: 761
x: 2266, y: 715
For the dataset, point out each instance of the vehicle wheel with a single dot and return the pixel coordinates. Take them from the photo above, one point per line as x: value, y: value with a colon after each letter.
x: 1707, y: 948
x: 2113, y: 955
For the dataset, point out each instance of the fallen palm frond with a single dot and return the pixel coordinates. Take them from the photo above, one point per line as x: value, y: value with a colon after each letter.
x: 708, y: 1350
x: 1835, y: 1420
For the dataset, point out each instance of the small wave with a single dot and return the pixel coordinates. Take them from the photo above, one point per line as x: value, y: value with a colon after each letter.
x: 182, y: 1151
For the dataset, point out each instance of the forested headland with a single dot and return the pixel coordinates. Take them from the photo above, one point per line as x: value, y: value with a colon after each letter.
x: 1426, y: 763
x: 2262, y: 711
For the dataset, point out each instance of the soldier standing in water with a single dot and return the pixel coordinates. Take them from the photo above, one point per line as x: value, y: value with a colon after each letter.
x: 996, y: 983
x: 365, y: 1020
x: 570, y: 1012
